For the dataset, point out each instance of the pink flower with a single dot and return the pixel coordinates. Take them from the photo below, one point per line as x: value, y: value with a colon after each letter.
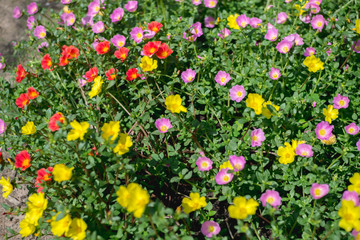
x: 17, y: 13
x: 356, y: 234
x: 148, y: 34
x: 223, y: 177
x: 351, y: 196
x: 117, y: 15
x: 309, y: 51
x: 98, y: 27
x: 238, y: 163
x: 295, y: 38
x: 304, y: 150
x: 358, y: 145
x: 210, y: 228
x: 242, y: 20
x: 163, y: 125
x: 271, y: 197
x: 209, y: 22
x: 313, y: 8
x: 82, y: 82
x: 257, y: 137
x: 222, y: 78
x: 305, y: 18
x: 284, y: 46
x: 210, y: 3
x: 281, y: 18
x: 224, y: 33
x: 30, y: 22
x: 204, y: 164
x: 323, y: 130
x: 118, y: 41
x: 352, y: 129
x: 275, y: 73
x: 357, y: 46
x: 255, y: 22
x: 341, y: 102
x: 196, y: 2
x: 2, y: 126
x: 40, y: 32
x: 313, y: 104
x: 136, y: 34
x: 318, y: 191
x: 318, y: 22
x: 288, y: 1
x: 68, y: 18
x: 32, y: 8
x: 188, y: 75
x: 196, y: 29
x: 191, y: 38
x: 93, y: 8
x: 272, y: 33
x: 131, y: 6
x: 66, y: 1
x: 87, y: 21
x: 237, y: 93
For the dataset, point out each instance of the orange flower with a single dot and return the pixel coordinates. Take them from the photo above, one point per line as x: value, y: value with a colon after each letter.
x: 46, y: 62
x: 102, y: 47
x: 63, y: 61
x: 164, y: 51
x: 54, y: 119
x: 132, y: 74
x: 91, y: 74
x: 154, y: 26
x: 111, y: 74
x: 22, y: 160
x: 122, y: 53
x: 151, y: 47
x: 43, y: 176
x: 20, y: 73
x: 22, y: 100
x: 32, y: 93
x: 70, y: 52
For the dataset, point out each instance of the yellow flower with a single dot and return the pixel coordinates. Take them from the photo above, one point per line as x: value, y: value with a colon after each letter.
x: 300, y: 8
x: 123, y: 196
x: 134, y: 198
x: 355, y: 180
x: 242, y: 208
x: 37, y: 201
x: 313, y: 63
x: 78, y: 131
x: 255, y: 101
x: 58, y: 228
x: 330, y: 113
x: 26, y: 228
x: 62, y: 172
x: 357, y: 26
x: 110, y: 129
x: 287, y: 154
x: 350, y: 216
x: 330, y: 141
x: 173, y: 104
x: 33, y: 215
x: 77, y: 229
x: 148, y: 64
x: 295, y: 143
x: 123, y: 144
x: 232, y: 21
x: 226, y: 164
x: 195, y: 202
x: 7, y: 188
x: 96, y: 87
x: 266, y: 112
x: 28, y: 129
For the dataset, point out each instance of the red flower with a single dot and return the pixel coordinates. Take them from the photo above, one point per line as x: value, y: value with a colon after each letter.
x: 70, y: 52
x: 102, y: 47
x: 91, y: 74
x: 20, y: 73
x: 154, y: 26
x: 132, y: 74
x: 164, y: 51
x: 22, y: 160
x: 32, y: 93
x: 150, y: 48
x: 46, y: 62
x: 43, y: 176
x: 111, y: 74
x: 122, y: 53
x: 22, y: 100
x: 63, y: 61
x: 54, y: 119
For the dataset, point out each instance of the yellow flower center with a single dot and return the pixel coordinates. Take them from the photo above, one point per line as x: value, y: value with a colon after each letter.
x: 274, y: 75
x: 322, y: 132
x: 226, y: 178
x: 204, y: 164
x: 317, y: 192
x: 270, y: 200
x: 273, y: 37
x: 163, y: 128
x: 120, y: 43
x: 26, y: 162
x: 97, y: 8
x: 285, y: 49
x: 189, y: 79
x: 319, y: 24
x: 42, y: 34
x: 304, y: 153
x: 139, y: 35
x: 152, y: 50
x: 212, y: 4
x: 239, y: 94
x: 211, y: 229
x: 287, y: 155
x: 349, y: 217
x: 222, y: 79
x: 243, y: 24
x: 341, y: 102
x: 237, y: 166
x: 351, y: 130
x: 255, y: 138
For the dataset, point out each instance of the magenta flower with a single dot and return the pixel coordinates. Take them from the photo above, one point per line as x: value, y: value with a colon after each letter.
x: 118, y: 40
x: 87, y: 21
x: 271, y: 197
x: 82, y: 82
x: 318, y: 191
x: 42, y: 45
x: 117, y: 14
x: 17, y: 13
x: 224, y: 33
x: 284, y: 46
x: 356, y: 234
x: 352, y: 129
x: 188, y: 75
x: 204, y: 164
x: 210, y: 3
x: 93, y: 8
x: 66, y: 1
x: 149, y: 34
x: 357, y: 46
x: 358, y: 145
x: 318, y: 22
x: 237, y: 93
x: 242, y: 20
x: 196, y: 29
x: 68, y: 18
x: 295, y: 38
x: 98, y: 27
x: 30, y: 22
x: 341, y: 102
x: 191, y: 38
x: 309, y: 51
x: 305, y: 18
x: 209, y: 22
x: 131, y: 6
x: 222, y: 78
x: 255, y: 22
x: 351, y: 196
x: 223, y: 177
x: 2, y: 66
x: 163, y: 125
x: 196, y: 2
x: 238, y: 163
x: 275, y: 73
x: 2, y: 126
x: 288, y: 1
x: 257, y: 137
x: 281, y: 18
x: 313, y: 8
x: 210, y: 228
x: 317, y: 2
x: 304, y: 150
x: 272, y: 33
x: 323, y: 130
x: 40, y: 32
x: 32, y: 8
